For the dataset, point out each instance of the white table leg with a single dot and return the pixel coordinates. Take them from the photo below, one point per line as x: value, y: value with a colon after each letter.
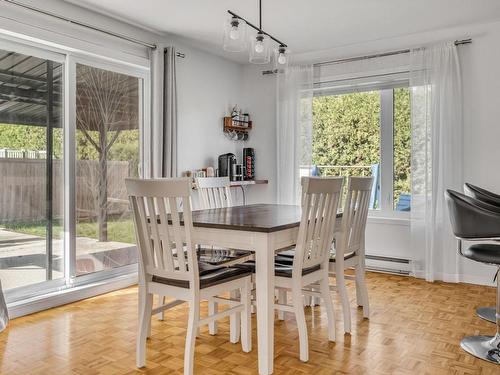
x: 264, y: 277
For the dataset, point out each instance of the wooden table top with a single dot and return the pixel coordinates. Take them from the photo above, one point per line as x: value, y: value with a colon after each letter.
x: 265, y: 218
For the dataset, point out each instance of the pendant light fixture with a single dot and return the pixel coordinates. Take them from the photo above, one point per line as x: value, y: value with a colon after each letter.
x: 260, y: 41
x: 260, y: 51
x: 281, y: 57
x: 235, y: 35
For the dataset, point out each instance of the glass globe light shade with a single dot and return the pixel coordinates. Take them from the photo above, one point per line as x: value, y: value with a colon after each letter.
x: 259, y: 47
x: 260, y: 51
x: 235, y: 35
x: 281, y: 57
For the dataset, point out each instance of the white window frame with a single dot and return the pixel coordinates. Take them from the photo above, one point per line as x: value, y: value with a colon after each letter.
x: 387, y: 209
x: 69, y: 58
x: 70, y: 168
x: 27, y: 291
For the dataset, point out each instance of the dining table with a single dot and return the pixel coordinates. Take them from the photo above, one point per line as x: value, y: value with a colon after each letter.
x: 262, y: 229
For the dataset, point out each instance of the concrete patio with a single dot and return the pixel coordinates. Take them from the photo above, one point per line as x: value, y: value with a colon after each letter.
x: 23, y: 257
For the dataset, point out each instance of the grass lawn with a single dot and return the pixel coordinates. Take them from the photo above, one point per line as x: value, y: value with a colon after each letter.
x: 119, y: 230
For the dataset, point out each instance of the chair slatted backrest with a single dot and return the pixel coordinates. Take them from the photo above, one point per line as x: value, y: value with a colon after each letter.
x: 355, y: 213
x: 214, y: 192
x: 163, y: 223
x: 320, y: 200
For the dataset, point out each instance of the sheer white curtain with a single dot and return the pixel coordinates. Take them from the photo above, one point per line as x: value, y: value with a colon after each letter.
x: 436, y: 158
x: 294, y: 130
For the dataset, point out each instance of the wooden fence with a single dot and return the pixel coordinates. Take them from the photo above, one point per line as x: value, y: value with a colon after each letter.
x: 23, y: 189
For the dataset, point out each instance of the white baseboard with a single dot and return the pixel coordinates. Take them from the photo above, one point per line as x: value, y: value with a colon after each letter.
x: 455, y: 278
x: 386, y: 264
x: 404, y: 267
x: 47, y: 301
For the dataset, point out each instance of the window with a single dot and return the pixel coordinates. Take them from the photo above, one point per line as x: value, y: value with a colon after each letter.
x: 107, y: 151
x: 64, y: 213
x: 402, y: 149
x: 366, y: 133
x: 31, y: 166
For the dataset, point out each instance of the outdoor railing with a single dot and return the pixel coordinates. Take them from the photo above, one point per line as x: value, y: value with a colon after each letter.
x: 402, y: 198
x: 338, y: 170
x: 345, y: 171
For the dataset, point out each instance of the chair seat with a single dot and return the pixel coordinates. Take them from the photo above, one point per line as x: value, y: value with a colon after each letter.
x: 286, y: 257
x: 281, y: 270
x: 219, y: 257
x: 484, y: 253
x: 209, y: 276
x: 350, y: 255
x: 285, y: 260
x: 289, y: 252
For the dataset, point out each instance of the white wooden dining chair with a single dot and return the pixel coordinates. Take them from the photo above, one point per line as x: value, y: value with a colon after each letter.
x: 168, y: 264
x: 350, y: 248
x: 321, y: 197
x: 215, y: 192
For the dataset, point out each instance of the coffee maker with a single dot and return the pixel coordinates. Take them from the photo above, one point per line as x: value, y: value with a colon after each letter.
x: 226, y: 162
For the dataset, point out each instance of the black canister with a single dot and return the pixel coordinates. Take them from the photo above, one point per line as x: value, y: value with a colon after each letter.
x: 249, y: 163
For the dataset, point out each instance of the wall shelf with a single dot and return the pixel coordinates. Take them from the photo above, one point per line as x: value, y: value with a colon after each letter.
x: 231, y: 125
x: 248, y: 182
x: 243, y: 183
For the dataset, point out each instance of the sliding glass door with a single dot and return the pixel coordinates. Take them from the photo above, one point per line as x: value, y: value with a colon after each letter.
x: 31, y: 168
x: 108, y: 118
x: 71, y: 132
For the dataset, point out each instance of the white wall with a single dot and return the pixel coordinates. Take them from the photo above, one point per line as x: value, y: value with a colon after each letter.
x: 260, y: 97
x: 208, y: 87
x: 481, y: 82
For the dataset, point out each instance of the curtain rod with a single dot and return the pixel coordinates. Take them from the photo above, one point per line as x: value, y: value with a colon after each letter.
x: 391, y: 53
x: 86, y: 25
x: 366, y: 57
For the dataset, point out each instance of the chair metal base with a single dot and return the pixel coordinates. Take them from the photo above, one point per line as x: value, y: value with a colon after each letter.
x: 483, y: 347
x: 487, y: 313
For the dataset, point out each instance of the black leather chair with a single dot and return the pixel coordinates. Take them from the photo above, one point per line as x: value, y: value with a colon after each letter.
x: 482, y: 194
x: 478, y: 221
x: 486, y: 313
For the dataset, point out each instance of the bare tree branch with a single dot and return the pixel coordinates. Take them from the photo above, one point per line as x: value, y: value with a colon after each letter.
x: 113, y: 139
x: 106, y: 102
x: 89, y: 138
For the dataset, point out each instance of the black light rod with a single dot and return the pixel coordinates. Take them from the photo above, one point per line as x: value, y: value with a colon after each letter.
x: 258, y: 29
x: 260, y: 14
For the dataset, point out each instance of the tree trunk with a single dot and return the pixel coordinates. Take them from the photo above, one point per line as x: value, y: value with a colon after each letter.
x: 103, y: 186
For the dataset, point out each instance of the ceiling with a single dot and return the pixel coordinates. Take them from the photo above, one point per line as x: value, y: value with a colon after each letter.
x: 305, y: 25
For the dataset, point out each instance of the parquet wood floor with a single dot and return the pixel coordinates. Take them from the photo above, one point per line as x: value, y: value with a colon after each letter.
x: 415, y: 328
